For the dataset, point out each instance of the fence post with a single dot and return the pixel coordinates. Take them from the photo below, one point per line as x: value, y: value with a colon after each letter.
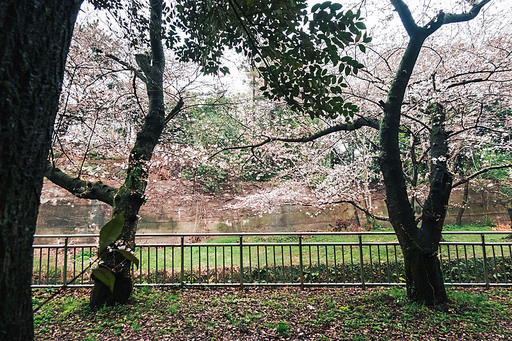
x: 484, y: 255
x: 241, y: 261
x: 363, y: 284
x: 182, y: 267
x: 301, y: 263
x: 65, y: 270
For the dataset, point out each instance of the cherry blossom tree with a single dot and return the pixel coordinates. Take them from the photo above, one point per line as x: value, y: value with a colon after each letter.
x: 412, y: 106
x: 419, y: 244
x: 265, y: 31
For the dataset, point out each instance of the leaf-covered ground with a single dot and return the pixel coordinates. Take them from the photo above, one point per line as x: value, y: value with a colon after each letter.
x: 276, y: 314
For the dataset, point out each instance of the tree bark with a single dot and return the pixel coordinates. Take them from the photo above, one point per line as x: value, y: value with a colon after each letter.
x: 424, y: 277
x: 419, y: 245
x: 130, y: 197
x: 428, y: 283
x: 420, y: 267
x: 462, y: 208
x: 35, y: 38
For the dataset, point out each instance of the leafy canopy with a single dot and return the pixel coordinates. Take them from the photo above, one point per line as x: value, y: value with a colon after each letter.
x: 298, y: 54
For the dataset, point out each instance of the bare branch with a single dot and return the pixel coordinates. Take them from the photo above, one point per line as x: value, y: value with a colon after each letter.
x: 478, y: 80
x: 174, y: 111
x: 441, y: 19
x: 425, y: 126
x: 125, y: 64
x: 357, y: 124
x: 496, y: 70
x: 134, y: 87
x: 482, y: 171
x: 450, y: 18
x: 81, y: 188
x: 476, y: 127
x: 87, y: 148
x: 364, y: 210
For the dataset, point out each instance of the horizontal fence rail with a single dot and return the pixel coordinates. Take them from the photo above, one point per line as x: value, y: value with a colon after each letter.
x: 276, y: 259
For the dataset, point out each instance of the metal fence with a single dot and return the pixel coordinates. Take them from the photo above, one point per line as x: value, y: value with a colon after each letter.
x: 276, y: 259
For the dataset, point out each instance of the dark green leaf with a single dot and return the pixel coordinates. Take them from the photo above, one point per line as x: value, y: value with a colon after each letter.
x: 336, y: 90
x: 335, y: 7
x: 130, y: 256
x: 111, y: 231
x: 106, y: 276
x: 325, y: 5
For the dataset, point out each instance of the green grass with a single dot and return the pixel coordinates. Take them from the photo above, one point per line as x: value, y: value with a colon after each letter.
x: 283, y: 329
x: 225, y: 251
x: 219, y: 259
x: 342, y: 313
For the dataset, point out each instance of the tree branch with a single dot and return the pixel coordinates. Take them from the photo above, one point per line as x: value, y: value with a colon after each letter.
x: 441, y: 19
x: 123, y: 63
x: 155, y: 34
x: 482, y: 171
x: 134, y: 87
x: 476, y: 127
x: 451, y: 18
x: 174, y: 111
x: 364, y: 210
x: 425, y: 126
x: 81, y: 188
x: 357, y: 124
x: 143, y: 60
x: 469, y: 81
x: 406, y: 17
x: 351, y: 202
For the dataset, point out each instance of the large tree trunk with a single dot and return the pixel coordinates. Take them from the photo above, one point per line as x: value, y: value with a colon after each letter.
x: 130, y: 197
x: 128, y: 203
x: 424, y: 278
x: 421, y: 268
x: 429, y: 277
x: 35, y: 38
x: 419, y: 245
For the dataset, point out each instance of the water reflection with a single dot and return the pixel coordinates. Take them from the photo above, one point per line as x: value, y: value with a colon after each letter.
x: 64, y: 217
x: 69, y: 217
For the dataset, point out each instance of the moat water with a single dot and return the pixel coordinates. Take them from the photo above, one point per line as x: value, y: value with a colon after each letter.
x: 87, y: 216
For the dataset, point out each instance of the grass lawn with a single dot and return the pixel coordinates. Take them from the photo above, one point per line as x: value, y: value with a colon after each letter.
x: 218, y: 259
x: 276, y: 313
